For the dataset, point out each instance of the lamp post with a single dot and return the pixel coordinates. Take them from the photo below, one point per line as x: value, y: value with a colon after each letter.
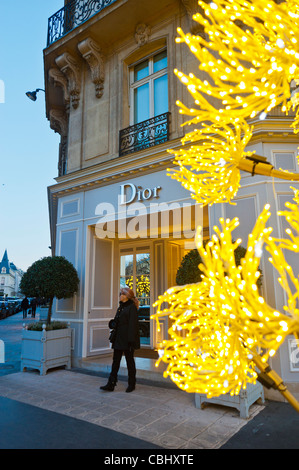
x: 32, y: 94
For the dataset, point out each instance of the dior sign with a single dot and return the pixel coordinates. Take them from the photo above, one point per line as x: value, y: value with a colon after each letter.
x: 129, y: 193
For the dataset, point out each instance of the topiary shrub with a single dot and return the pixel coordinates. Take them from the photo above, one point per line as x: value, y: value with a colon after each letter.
x: 49, y: 277
x: 189, y: 272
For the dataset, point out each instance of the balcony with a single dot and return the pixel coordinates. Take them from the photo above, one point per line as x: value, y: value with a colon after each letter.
x: 72, y: 15
x: 153, y: 131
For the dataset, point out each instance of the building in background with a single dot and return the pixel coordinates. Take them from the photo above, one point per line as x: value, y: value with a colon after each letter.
x: 114, y: 211
x: 10, y: 278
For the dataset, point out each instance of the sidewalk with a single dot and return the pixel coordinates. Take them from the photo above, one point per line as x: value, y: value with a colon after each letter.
x: 66, y: 409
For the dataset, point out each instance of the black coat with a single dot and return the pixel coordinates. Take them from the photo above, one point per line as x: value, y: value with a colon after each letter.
x: 127, y: 330
x: 25, y: 303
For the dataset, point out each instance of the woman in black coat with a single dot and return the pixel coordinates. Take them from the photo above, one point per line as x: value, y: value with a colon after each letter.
x: 126, y: 338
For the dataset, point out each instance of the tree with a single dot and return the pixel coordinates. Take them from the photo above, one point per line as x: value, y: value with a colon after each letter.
x: 49, y: 277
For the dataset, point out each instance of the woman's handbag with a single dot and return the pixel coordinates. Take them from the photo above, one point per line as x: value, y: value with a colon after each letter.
x: 112, y: 336
x: 113, y: 326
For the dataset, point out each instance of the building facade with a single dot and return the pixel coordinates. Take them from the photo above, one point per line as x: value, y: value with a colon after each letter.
x: 114, y: 210
x: 10, y: 277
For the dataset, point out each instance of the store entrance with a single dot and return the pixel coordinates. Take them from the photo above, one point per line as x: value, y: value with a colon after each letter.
x: 135, y: 269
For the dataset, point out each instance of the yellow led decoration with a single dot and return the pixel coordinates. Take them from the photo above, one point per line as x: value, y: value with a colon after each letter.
x: 142, y: 285
x: 219, y: 324
x: 222, y: 329
x: 210, y: 170
x: 249, y: 54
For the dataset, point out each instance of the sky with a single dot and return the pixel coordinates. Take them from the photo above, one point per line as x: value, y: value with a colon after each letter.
x: 28, y: 147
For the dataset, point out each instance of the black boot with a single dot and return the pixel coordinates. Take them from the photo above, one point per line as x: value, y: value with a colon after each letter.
x: 130, y: 387
x: 109, y: 387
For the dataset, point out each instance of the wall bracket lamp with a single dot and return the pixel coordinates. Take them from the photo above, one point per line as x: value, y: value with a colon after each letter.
x: 32, y: 94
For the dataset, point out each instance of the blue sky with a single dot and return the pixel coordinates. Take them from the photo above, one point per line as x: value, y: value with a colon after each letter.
x: 28, y: 147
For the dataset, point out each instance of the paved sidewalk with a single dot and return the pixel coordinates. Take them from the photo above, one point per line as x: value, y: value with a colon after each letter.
x: 66, y: 409
x: 164, y: 417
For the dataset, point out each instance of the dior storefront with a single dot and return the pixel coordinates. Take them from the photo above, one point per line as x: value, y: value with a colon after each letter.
x: 132, y: 232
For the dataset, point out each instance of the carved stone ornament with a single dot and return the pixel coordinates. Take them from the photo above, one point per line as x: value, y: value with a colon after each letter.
x: 142, y: 34
x: 192, y: 7
x: 69, y: 67
x: 91, y: 52
x: 59, y: 121
x: 60, y: 79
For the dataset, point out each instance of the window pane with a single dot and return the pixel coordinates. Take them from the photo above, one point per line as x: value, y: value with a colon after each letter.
x: 143, y: 263
x: 141, y: 103
x: 143, y: 289
x: 161, y: 95
x: 126, y: 265
x: 141, y: 71
x: 160, y: 61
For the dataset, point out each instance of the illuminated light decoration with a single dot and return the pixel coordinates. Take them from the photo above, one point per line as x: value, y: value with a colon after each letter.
x: 210, y: 169
x: 251, y: 54
x: 219, y: 324
x: 142, y: 285
x: 222, y: 329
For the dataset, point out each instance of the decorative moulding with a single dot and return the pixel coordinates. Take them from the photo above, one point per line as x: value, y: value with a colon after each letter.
x: 60, y: 79
x: 69, y: 67
x: 142, y: 34
x: 59, y: 121
x: 91, y: 52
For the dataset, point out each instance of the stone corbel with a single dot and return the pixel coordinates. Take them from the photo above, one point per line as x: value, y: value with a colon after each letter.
x: 60, y: 79
x: 69, y: 67
x: 91, y: 52
x: 59, y: 121
x: 192, y: 7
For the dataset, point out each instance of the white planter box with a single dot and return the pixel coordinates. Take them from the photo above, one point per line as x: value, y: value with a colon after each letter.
x: 242, y: 402
x: 44, y: 350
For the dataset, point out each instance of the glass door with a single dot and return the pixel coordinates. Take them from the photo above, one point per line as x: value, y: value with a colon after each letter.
x: 135, y: 274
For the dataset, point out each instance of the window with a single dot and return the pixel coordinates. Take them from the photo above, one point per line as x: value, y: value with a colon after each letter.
x: 149, y: 88
x: 135, y: 274
x: 3, y: 270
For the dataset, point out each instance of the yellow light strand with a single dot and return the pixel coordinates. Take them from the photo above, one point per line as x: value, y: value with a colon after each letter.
x: 250, y: 54
x: 219, y: 324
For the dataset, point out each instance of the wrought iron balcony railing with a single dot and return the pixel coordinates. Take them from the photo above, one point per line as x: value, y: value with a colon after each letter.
x: 145, y: 134
x: 71, y: 15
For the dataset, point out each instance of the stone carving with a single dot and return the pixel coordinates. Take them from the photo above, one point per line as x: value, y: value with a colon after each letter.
x: 60, y: 80
x: 91, y: 52
x: 142, y: 34
x: 69, y: 67
x: 59, y: 123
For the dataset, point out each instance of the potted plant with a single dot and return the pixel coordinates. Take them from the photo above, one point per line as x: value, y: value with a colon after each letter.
x: 47, y: 345
x: 189, y: 272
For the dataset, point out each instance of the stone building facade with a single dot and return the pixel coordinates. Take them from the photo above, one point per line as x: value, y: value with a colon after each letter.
x: 114, y: 211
